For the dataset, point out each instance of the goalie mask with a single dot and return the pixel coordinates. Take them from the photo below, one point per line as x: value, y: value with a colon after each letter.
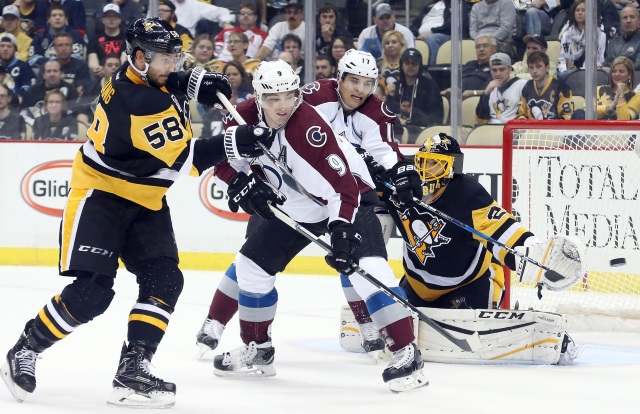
x: 438, y: 159
x: 270, y: 79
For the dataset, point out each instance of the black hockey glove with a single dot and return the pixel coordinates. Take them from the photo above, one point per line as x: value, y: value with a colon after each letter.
x: 202, y: 85
x: 253, y: 195
x: 345, y: 242
x: 405, y: 177
x: 377, y: 171
x: 241, y: 141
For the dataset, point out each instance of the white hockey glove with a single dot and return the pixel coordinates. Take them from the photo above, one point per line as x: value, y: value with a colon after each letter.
x: 564, y: 255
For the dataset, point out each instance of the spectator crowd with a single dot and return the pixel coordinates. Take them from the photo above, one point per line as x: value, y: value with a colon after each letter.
x: 529, y: 56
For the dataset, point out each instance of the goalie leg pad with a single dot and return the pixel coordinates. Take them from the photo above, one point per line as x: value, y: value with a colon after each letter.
x: 506, y: 336
x: 350, y: 339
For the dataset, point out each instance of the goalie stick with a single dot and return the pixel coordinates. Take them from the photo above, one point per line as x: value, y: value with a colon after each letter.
x: 549, y: 274
x: 470, y: 345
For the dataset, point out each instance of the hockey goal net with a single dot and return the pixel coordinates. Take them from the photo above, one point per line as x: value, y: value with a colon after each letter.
x: 579, y: 178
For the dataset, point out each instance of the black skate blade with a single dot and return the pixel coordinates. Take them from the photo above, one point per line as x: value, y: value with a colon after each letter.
x: 18, y: 393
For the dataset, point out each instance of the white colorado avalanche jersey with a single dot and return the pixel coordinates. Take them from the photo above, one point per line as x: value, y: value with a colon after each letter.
x: 328, y: 168
x: 370, y: 126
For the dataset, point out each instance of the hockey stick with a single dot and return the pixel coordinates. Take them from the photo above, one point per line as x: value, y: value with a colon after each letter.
x: 291, y: 181
x: 470, y: 345
x: 549, y: 273
x: 287, y: 177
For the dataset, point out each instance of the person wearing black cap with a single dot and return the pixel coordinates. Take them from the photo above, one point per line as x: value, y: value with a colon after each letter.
x: 423, y: 103
x: 534, y: 43
x: 370, y: 39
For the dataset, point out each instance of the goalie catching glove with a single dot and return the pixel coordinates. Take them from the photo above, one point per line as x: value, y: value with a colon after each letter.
x: 202, y: 85
x: 345, y: 242
x: 253, y: 195
x: 565, y: 256
x: 406, y: 179
x: 242, y: 141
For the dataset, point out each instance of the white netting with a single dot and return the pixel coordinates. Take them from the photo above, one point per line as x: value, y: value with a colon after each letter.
x: 584, y: 183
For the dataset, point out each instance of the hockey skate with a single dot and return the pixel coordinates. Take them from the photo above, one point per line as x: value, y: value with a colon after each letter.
x: 252, y: 360
x: 19, y: 369
x: 569, y: 351
x: 372, y: 341
x: 209, y: 337
x: 404, y: 372
x: 135, y: 387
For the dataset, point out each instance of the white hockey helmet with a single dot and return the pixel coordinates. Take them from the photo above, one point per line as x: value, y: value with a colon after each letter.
x: 273, y: 77
x: 358, y: 62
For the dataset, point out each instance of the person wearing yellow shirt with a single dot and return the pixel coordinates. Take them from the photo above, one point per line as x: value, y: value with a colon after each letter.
x: 11, y: 24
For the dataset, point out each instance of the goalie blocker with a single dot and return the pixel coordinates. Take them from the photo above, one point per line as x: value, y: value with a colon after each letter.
x: 507, y: 336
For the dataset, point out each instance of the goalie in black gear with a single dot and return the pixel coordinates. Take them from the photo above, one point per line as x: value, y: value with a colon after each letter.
x: 449, y: 267
x: 139, y: 143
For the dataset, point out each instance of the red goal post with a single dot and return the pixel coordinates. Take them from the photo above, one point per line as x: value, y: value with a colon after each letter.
x: 578, y: 178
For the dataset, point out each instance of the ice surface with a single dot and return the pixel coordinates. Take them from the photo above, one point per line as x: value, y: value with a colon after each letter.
x: 313, y: 374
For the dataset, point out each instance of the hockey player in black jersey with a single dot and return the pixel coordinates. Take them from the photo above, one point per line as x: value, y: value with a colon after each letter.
x: 445, y: 266
x: 140, y: 141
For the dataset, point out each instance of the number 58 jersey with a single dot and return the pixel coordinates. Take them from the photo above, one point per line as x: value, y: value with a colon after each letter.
x: 139, y: 140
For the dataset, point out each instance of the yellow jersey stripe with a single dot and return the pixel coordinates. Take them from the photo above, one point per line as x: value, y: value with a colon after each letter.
x: 148, y: 319
x: 69, y: 224
x: 47, y: 322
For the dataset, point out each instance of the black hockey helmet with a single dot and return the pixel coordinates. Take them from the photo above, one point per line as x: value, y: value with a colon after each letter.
x: 436, y: 161
x: 152, y: 35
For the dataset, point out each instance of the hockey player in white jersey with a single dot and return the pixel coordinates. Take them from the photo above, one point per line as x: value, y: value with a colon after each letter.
x: 406, y: 372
